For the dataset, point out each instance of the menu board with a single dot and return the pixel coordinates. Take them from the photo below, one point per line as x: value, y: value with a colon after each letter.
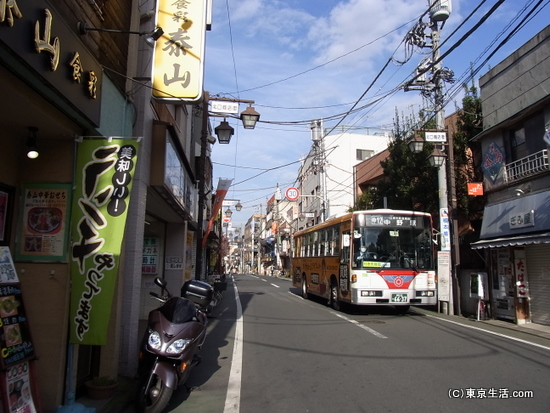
x: 16, y: 347
x: 15, y: 338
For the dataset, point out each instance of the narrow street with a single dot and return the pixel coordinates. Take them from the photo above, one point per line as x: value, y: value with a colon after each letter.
x: 301, y: 356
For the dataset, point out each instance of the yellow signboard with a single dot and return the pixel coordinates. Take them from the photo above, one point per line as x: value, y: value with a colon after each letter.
x: 178, y: 67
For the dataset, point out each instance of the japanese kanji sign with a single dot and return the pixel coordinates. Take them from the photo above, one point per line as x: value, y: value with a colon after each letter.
x: 178, y: 67
x: 101, y: 198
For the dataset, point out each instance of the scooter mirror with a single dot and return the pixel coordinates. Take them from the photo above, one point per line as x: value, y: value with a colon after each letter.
x: 160, y: 282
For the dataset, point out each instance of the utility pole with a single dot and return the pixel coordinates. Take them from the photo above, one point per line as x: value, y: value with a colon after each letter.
x: 433, y: 87
x: 317, y: 136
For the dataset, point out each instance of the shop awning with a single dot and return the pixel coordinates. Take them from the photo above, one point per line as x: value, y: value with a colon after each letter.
x: 498, y: 219
x: 527, y: 239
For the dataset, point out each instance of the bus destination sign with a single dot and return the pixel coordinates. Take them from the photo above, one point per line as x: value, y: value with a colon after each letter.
x: 391, y: 221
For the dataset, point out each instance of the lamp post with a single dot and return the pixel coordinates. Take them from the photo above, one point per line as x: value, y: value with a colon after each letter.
x: 249, y: 120
x: 434, y: 86
x: 449, y: 241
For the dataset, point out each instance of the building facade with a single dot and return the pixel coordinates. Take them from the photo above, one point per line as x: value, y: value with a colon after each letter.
x: 63, y: 85
x: 515, y: 233
x: 326, y: 176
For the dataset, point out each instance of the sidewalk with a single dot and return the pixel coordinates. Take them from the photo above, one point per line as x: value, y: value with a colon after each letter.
x: 537, y: 330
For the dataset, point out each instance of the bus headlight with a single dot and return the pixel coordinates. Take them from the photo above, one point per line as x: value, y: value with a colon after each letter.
x: 430, y: 293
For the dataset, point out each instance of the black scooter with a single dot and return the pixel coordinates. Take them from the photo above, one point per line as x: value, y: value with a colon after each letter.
x: 171, y: 344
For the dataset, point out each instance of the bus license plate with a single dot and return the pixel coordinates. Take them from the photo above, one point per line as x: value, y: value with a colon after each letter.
x: 399, y: 298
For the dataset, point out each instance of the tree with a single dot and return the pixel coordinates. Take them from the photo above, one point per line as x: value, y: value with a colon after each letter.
x: 409, y: 182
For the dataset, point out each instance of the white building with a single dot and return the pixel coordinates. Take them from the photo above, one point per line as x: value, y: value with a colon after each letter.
x: 326, y: 177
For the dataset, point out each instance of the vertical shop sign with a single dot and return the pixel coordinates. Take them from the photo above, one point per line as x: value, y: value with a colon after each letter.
x: 520, y: 266
x: 44, y: 229
x: 150, y: 256
x: 178, y: 65
x: 103, y: 184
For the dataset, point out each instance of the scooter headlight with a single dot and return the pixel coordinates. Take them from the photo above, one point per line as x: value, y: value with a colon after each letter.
x: 154, y: 340
x: 178, y: 346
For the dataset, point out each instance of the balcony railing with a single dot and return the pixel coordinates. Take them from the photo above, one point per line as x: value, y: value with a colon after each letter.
x: 531, y: 165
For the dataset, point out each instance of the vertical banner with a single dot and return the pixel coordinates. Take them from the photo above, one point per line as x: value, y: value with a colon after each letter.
x: 221, y: 191
x: 103, y: 183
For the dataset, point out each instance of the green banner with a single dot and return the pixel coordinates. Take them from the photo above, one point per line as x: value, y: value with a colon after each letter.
x: 100, y: 203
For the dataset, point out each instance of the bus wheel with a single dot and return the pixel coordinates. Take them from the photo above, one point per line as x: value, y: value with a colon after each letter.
x: 304, y: 288
x: 402, y: 309
x: 333, y: 298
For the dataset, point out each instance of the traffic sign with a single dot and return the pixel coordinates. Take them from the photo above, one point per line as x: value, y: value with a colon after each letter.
x: 292, y: 193
x: 226, y: 219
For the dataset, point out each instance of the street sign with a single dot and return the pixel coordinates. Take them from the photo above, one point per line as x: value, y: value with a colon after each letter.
x: 436, y: 136
x: 218, y: 106
x: 292, y: 193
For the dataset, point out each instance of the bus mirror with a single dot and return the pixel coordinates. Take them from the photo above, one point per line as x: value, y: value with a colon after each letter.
x: 345, y: 240
x: 356, y: 234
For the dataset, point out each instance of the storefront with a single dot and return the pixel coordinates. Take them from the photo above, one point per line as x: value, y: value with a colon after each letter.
x: 516, y: 236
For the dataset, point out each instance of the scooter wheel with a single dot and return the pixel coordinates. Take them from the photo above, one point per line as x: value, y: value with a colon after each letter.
x: 153, y: 395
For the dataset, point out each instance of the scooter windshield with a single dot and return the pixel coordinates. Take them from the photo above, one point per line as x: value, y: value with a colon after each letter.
x: 178, y: 310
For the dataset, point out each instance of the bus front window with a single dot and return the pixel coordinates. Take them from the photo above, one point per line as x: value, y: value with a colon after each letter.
x: 404, y: 247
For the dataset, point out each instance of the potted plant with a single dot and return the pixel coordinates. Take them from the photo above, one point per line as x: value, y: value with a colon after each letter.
x: 101, y: 387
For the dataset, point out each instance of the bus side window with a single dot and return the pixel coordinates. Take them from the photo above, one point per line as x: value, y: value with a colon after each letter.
x: 336, y: 241
x: 344, y: 256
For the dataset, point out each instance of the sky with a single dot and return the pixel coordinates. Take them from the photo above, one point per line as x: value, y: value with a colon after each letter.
x: 301, y: 60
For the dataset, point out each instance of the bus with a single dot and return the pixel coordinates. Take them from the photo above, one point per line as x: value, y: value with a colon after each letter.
x: 379, y: 257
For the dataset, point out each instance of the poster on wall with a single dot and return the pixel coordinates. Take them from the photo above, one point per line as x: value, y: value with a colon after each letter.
x: 17, y: 386
x: 44, y: 228
x: 7, y: 269
x: 103, y: 184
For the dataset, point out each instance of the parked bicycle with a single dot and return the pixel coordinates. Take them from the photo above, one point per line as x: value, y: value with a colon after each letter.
x: 219, y: 284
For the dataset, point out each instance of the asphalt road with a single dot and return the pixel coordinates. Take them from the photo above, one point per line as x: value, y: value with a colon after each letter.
x: 286, y: 354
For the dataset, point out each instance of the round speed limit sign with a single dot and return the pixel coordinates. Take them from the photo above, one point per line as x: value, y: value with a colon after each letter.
x: 292, y: 194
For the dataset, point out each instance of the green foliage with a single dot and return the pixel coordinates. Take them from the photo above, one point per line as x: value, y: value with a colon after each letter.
x: 467, y: 154
x: 411, y: 183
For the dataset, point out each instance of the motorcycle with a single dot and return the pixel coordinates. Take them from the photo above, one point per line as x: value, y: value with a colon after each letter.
x: 171, y: 344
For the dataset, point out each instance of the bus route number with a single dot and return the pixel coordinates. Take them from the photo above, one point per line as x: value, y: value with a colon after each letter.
x: 395, y: 221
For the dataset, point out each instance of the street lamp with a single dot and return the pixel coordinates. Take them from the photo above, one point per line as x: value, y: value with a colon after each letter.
x: 224, y: 131
x: 202, y: 165
x: 448, y: 218
x: 250, y: 117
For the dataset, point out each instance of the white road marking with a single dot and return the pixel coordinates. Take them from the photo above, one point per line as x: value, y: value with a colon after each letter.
x: 491, y: 332
x: 233, y: 396
x: 275, y: 285
x: 370, y: 330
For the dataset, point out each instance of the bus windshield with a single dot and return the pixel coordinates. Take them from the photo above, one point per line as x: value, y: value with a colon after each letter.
x: 392, y: 241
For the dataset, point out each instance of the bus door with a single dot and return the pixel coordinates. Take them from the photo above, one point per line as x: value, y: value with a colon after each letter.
x: 344, y: 273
